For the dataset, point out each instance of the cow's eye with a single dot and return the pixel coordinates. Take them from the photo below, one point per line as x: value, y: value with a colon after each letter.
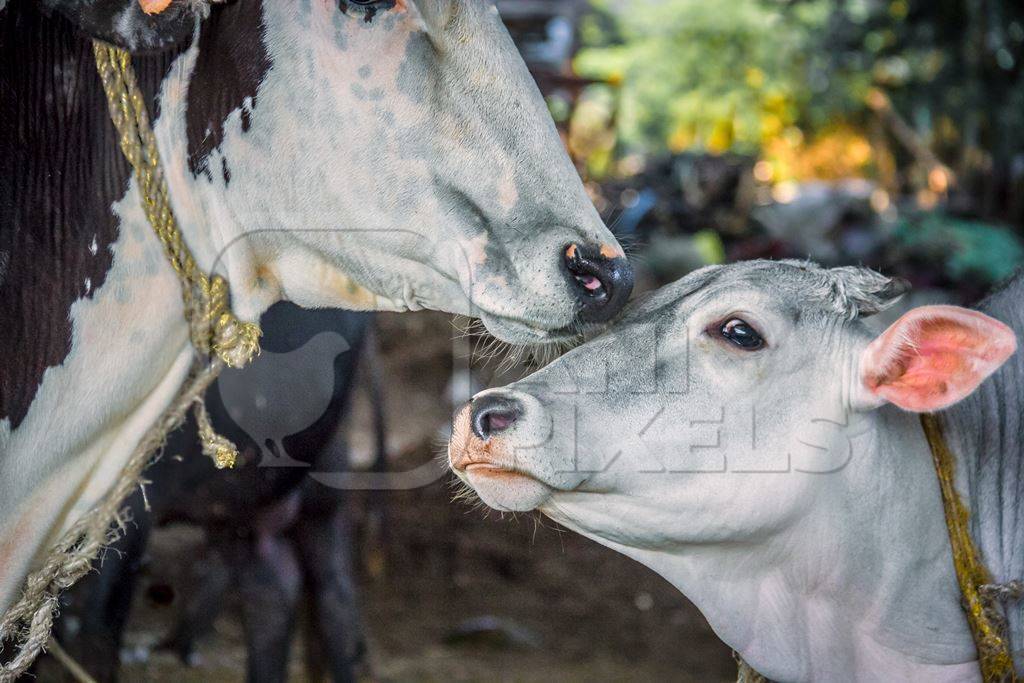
x: 368, y: 8
x: 741, y: 333
x: 366, y: 4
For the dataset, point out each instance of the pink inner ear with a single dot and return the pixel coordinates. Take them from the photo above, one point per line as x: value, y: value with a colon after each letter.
x: 934, y: 356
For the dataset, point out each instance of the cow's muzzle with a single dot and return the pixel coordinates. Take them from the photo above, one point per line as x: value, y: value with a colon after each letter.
x: 601, y: 278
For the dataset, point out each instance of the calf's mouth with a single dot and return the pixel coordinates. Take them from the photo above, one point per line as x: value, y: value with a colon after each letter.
x: 482, y: 455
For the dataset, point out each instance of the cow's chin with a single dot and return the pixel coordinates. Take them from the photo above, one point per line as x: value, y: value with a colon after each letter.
x: 514, y: 330
x: 507, y: 491
x: 525, y: 333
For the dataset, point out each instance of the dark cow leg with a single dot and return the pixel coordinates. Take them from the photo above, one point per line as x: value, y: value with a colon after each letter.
x: 209, y: 580
x: 270, y: 584
x: 117, y: 578
x: 94, y: 613
x: 373, y: 539
x: 325, y: 543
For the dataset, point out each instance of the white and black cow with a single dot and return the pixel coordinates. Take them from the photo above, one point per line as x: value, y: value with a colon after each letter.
x: 366, y: 154
x: 746, y: 435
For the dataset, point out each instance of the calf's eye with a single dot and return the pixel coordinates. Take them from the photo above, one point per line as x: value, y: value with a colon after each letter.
x: 741, y: 333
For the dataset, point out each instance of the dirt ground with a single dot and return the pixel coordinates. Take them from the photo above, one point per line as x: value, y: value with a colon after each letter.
x: 566, y: 608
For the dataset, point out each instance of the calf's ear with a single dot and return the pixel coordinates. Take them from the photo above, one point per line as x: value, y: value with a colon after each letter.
x: 931, y: 358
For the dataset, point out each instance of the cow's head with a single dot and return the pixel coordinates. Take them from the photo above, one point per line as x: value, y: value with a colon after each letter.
x: 371, y: 154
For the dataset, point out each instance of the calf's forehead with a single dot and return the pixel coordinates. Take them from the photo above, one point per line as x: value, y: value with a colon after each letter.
x: 785, y: 287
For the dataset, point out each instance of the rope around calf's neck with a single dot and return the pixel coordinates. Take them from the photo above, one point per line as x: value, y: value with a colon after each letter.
x: 980, y: 596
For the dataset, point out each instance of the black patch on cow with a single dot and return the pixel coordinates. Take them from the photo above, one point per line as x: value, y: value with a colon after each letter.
x: 125, y: 24
x: 61, y: 170
x: 231, y: 64
x: 246, y: 117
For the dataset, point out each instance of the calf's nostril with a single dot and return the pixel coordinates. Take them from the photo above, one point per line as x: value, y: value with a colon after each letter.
x: 493, y: 414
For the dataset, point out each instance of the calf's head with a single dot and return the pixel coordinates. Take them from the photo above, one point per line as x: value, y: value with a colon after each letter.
x: 390, y: 154
x: 732, y: 434
x: 716, y: 410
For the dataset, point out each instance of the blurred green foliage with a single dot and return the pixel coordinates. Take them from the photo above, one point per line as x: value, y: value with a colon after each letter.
x: 964, y: 249
x: 743, y: 74
x: 952, y: 67
x: 698, y: 74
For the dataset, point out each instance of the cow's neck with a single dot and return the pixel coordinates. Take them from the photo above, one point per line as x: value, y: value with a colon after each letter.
x: 986, y: 432
x: 91, y: 324
x: 67, y: 197
x: 60, y: 176
x: 211, y: 90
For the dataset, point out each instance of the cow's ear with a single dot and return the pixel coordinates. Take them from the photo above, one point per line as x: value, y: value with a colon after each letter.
x: 931, y: 358
x: 138, y: 26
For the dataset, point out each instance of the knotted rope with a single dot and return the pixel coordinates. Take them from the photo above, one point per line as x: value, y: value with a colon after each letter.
x: 212, y: 326
x: 1003, y: 592
x: 213, y: 329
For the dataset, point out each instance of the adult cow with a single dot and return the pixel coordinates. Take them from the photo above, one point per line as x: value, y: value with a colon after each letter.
x: 747, y: 436
x: 367, y: 154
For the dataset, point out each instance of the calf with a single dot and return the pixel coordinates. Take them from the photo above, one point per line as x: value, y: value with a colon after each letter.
x: 745, y: 435
x: 271, y: 531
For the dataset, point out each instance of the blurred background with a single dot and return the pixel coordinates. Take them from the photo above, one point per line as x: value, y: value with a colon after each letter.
x: 885, y: 133
x: 888, y: 133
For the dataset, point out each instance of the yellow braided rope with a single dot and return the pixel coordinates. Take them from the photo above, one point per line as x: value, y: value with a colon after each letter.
x: 212, y: 325
x: 26, y: 625
x: 988, y: 625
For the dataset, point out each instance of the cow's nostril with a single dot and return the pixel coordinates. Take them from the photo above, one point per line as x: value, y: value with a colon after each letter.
x: 590, y: 283
x: 492, y: 414
x: 587, y: 275
x: 601, y: 278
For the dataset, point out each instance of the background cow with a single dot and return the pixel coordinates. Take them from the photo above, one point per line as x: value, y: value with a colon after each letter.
x: 368, y: 155
x: 272, y: 532
x: 746, y: 436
